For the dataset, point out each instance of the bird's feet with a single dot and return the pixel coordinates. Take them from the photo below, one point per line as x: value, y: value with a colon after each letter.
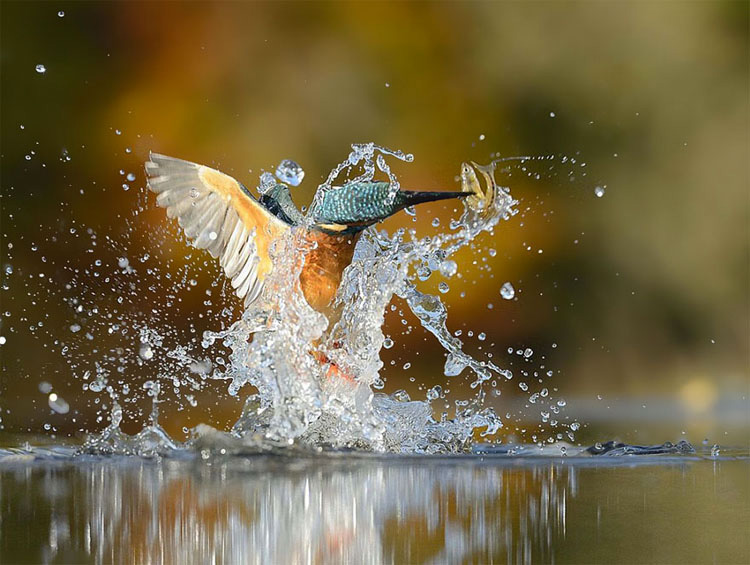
x: 333, y: 371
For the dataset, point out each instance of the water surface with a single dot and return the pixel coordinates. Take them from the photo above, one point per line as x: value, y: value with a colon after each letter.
x: 365, y: 508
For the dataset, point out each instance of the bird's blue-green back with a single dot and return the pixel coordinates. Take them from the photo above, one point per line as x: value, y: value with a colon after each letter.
x: 356, y: 203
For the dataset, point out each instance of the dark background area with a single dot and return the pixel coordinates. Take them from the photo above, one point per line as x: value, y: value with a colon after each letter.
x: 643, y: 292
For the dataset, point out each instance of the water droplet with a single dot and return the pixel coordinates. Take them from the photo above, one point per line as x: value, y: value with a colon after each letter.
x: 290, y: 172
x: 482, y: 336
x: 401, y: 396
x: 448, y: 268
x: 423, y: 272
x: 41, y: 69
x: 75, y: 328
x: 528, y: 352
x: 575, y: 426
x: 387, y: 343
x: 45, y: 387
x: 58, y: 404
x: 435, y: 222
x: 434, y: 392
x: 130, y: 177
x: 715, y: 450
x: 481, y: 137
x: 146, y: 352
x: 599, y: 191
x: 60, y: 14
x: 507, y: 291
x: 552, y: 114
x: 443, y: 287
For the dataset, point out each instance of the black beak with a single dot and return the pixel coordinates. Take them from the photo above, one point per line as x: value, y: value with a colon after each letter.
x: 413, y: 197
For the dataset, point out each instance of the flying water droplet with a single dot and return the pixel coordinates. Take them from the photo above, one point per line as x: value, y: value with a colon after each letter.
x: 507, y: 291
x: 448, y: 268
x: 290, y: 172
x: 434, y: 392
x: 599, y: 191
x: 58, y: 404
x: 41, y: 69
x: 146, y: 352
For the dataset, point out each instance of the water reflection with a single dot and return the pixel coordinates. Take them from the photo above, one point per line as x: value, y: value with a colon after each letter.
x: 276, y: 509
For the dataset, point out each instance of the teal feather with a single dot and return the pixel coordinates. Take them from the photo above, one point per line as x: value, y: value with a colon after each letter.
x: 365, y: 203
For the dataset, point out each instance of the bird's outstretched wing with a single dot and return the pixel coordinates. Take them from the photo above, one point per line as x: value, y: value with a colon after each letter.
x: 218, y: 214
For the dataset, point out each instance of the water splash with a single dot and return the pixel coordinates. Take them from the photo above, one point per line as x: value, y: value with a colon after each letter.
x: 297, y: 398
x: 281, y: 351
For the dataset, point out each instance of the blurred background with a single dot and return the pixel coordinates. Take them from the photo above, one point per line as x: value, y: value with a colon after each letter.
x: 636, y: 300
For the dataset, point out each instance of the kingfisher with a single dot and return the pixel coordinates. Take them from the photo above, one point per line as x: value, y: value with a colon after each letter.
x: 219, y: 214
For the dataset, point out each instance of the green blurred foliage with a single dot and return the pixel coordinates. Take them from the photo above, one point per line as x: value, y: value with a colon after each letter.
x: 643, y: 291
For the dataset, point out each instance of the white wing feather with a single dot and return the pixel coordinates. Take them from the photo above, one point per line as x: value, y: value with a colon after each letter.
x: 218, y: 215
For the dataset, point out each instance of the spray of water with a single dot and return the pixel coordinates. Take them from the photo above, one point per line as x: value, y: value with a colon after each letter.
x: 288, y: 354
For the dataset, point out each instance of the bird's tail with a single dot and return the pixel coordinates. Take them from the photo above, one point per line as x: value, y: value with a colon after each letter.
x: 413, y: 197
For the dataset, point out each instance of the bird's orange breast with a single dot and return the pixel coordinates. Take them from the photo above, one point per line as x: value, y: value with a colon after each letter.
x: 324, y: 265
